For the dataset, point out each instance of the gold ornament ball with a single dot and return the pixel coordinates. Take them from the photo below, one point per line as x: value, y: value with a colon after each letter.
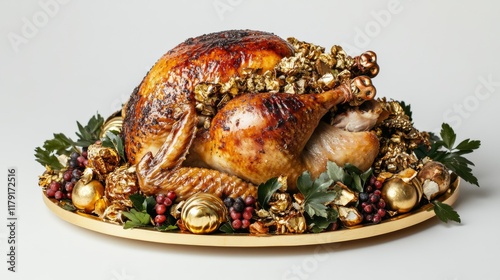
x: 399, y: 195
x: 85, y: 195
x: 203, y: 213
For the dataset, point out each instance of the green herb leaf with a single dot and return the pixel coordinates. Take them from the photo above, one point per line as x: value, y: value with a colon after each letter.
x: 313, y: 189
x: 444, y: 152
x: 226, y: 228
x: 321, y: 223
x: 136, y: 219
x: 335, y: 172
x: 137, y: 201
x: 316, y: 194
x: 406, y: 109
x: 350, y: 175
x: 314, y: 208
x: 149, y: 205
x: 113, y: 140
x: 448, y: 136
x: 67, y: 204
x: 89, y: 133
x: 63, y: 145
x: 167, y: 227
x: 47, y: 158
x: 468, y: 145
x: 266, y: 190
x: 59, y: 145
x: 445, y: 212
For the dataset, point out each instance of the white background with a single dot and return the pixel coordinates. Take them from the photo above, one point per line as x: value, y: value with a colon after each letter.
x: 62, y: 62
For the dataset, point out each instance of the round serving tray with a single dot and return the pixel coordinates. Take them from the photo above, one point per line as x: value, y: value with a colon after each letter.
x: 245, y: 240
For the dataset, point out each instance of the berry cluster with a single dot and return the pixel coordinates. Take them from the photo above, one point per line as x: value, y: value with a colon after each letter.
x: 240, y: 211
x: 372, y: 204
x: 62, y: 189
x: 163, y: 202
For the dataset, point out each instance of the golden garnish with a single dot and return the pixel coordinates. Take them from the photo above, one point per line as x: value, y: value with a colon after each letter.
x: 120, y: 184
x: 102, y: 159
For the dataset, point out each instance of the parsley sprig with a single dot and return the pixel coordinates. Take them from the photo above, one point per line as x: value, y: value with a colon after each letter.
x: 444, y: 150
x: 139, y: 216
x: 445, y: 212
x: 88, y: 134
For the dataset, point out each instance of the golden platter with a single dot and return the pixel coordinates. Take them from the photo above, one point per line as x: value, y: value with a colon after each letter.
x: 245, y: 240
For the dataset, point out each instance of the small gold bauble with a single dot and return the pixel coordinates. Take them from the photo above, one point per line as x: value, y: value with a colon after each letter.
x: 203, y: 213
x: 112, y: 124
x: 85, y: 195
x: 399, y: 195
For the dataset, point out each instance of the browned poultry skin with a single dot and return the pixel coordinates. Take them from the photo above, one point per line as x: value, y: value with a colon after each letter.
x: 330, y: 143
x: 254, y: 137
x: 167, y: 90
x: 162, y: 173
x: 260, y: 136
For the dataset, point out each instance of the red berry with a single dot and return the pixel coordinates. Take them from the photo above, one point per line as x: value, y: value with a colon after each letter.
x: 67, y: 175
x: 376, y: 219
x: 377, y: 192
x: 160, y: 209
x: 69, y: 186
x: 160, y: 219
x: 50, y: 192
x: 381, y: 203
x: 171, y: 195
x: 250, y: 200
x: 381, y: 212
x: 334, y: 226
x: 377, y: 184
x: 245, y: 223
x: 81, y: 161
x: 167, y: 202
x: 160, y: 198
x: 374, y: 198
x: 368, y: 208
x: 55, y: 186
x: 372, y: 180
x: 58, y: 195
x: 236, y: 224
x: 235, y: 215
x: 247, y: 215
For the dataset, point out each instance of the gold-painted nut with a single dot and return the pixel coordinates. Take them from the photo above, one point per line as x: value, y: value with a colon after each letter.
x: 121, y: 183
x: 102, y: 159
x: 435, y: 178
x: 349, y: 216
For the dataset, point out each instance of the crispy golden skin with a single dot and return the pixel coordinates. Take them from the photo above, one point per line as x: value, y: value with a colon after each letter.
x: 253, y: 138
x: 161, y: 98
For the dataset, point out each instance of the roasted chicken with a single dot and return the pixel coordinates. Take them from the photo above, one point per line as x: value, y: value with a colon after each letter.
x: 254, y: 137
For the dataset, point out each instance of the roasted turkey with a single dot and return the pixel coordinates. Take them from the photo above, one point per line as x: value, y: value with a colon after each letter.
x: 254, y: 137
